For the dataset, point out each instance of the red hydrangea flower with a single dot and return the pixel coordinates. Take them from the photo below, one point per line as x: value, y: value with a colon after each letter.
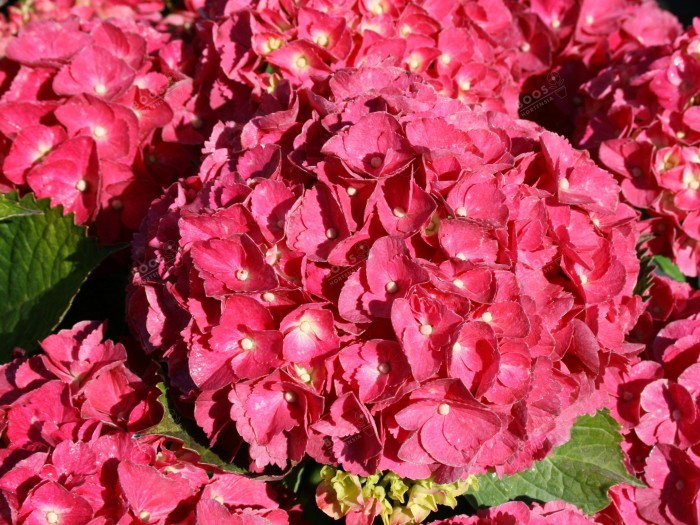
x: 84, y: 114
x: 366, y: 264
x: 72, y: 456
x: 646, y: 133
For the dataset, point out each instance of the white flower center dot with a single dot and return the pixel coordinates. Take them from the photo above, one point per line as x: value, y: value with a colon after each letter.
x: 458, y: 283
x: 426, y: 329
x: 391, y: 287
x: 465, y: 85
x: 100, y: 89
x: 242, y: 274
x: 525, y: 48
x: 589, y: 20
x: 456, y: 347
x: 556, y: 23
x: 331, y: 233
x: 384, y: 368
x: 584, y: 279
x: 145, y: 516
x: 51, y: 517
x: 322, y: 40
x: 290, y: 397
x: 268, y: 297
x: 306, y: 327
x: 443, y: 409
x: 461, y: 211
x: 301, y: 62
x: 81, y: 185
x: 351, y: 191
x: 219, y: 499
x: 247, y: 343
x: 399, y: 212
x: 461, y: 256
x: 445, y: 58
x: 99, y: 132
x: 563, y: 184
x: 487, y: 317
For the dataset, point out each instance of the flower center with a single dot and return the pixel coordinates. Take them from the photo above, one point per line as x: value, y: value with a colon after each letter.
x: 556, y: 23
x: 487, y: 317
x: 99, y: 132
x: 583, y: 278
x: 219, y: 498
x: 301, y: 62
x: 290, y: 397
x: 81, y: 185
x: 589, y: 20
x: 426, y: 329
x: 399, y: 212
x: 351, y: 191
x: 331, y: 233
x: 242, y: 274
x: 456, y: 347
x: 247, y: 343
x: 376, y: 161
x: 461, y: 211
x: 465, y: 85
x: 268, y: 297
x: 100, y: 89
x: 461, y: 256
x: 391, y: 287
x: 525, y: 48
x: 445, y: 58
x: 51, y: 517
x: 458, y: 283
x: 306, y: 327
x: 145, y: 516
x: 443, y: 409
x: 563, y: 184
x: 384, y: 368
x: 322, y: 40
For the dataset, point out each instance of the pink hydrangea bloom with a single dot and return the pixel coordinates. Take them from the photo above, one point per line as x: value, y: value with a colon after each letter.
x: 645, y: 132
x: 366, y: 263
x: 84, y: 110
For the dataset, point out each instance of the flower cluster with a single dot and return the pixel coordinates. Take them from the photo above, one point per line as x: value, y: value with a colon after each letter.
x: 658, y: 403
x: 68, y: 417
x: 384, y: 495
x: 639, y: 118
x: 91, y: 117
x: 376, y: 276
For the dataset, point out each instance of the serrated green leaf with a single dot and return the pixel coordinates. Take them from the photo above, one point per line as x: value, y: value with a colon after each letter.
x: 667, y: 268
x: 9, y: 208
x: 173, y: 426
x: 44, y: 259
x: 581, y: 471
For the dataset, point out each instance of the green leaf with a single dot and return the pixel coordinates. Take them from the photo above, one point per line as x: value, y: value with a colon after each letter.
x: 175, y: 427
x: 667, y: 268
x: 580, y: 471
x: 44, y: 259
x: 9, y: 208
